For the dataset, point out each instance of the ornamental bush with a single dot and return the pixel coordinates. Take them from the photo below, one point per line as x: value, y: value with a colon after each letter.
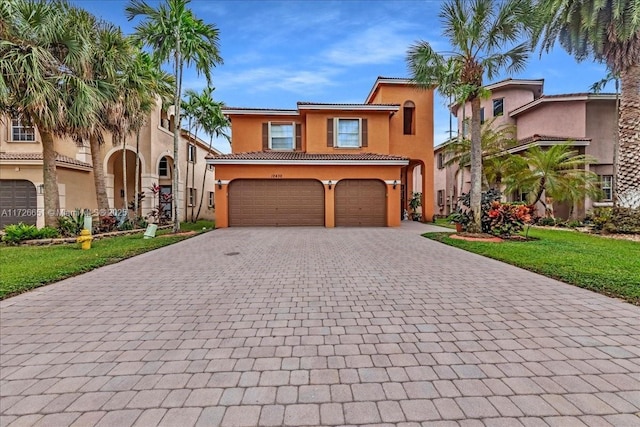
x: 506, y: 219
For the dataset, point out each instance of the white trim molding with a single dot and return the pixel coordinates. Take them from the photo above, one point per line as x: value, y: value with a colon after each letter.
x: 219, y: 161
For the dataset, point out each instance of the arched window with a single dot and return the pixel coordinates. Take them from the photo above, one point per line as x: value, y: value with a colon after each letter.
x: 163, y: 168
x: 408, y: 113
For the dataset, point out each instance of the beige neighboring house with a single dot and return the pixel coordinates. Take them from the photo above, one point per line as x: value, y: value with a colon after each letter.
x: 21, y: 180
x: 585, y: 120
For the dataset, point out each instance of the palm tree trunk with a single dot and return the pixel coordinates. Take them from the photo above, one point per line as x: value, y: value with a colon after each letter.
x: 628, y: 174
x: 176, y: 135
x: 136, y: 190
x: 476, y: 168
x: 98, y: 176
x: 124, y: 173
x: 204, y: 179
x: 50, y: 179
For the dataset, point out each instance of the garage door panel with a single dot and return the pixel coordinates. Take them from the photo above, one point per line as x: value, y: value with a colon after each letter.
x: 276, y: 203
x: 360, y: 203
x: 18, y: 202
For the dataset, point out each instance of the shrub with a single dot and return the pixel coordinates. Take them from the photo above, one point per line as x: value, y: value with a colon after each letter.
x: 599, y: 217
x: 48, y: 233
x: 507, y: 219
x: 15, y: 233
x: 106, y: 224
x: 70, y: 225
x: 488, y: 197
x: 626, y: 220
x: 547, y: 221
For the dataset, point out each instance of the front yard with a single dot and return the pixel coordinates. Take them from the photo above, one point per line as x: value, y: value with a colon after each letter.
x: 27, y: 267
x: 607, y: 266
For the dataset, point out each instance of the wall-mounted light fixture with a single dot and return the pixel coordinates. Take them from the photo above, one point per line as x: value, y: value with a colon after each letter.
x: 41, y: 189
x: 395, y: 182
x: 330, y: 183
x: 219, y: 185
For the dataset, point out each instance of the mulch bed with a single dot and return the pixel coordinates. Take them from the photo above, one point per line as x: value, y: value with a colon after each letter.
x: 476, y: 237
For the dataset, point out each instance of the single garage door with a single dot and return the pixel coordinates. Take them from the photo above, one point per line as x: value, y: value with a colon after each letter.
x: 276, y: 202
x: 361, y: 203
x: 18, y: 202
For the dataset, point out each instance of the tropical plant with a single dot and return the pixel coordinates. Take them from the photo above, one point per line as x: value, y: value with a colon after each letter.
x: 71, y: 224
x: 557, y: 172
x: 176, y: 36
x: 44, y: 80
x: 507, y: 219
x: 485, y: 36
x: 607, y: 31
x: 15, y: 233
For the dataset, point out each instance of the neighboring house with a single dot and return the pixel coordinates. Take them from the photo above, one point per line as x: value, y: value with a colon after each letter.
x: 587, y: 121
x: 328, y: 164
x: 21, y: 180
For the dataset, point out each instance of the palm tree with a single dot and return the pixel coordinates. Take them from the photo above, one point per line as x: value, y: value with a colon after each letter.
x: 214, y: 124
x: 497, y: 162
x: 607, y: 31
x: 46, y: 54
x: 176, y: 36
x: 484, y: 36
x: 557, y: 172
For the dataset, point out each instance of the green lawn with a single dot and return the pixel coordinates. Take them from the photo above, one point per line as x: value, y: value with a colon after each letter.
x: 27, y: 267
x: 608, y: 266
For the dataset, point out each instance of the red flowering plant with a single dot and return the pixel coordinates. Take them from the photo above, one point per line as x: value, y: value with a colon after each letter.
x: 507, y: 219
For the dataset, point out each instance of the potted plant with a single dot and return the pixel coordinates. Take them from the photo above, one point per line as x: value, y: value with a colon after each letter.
x: 414, y: 204
x: 460, y: 219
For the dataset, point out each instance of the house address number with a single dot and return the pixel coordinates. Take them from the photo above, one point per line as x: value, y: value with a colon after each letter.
x: 276, y: 175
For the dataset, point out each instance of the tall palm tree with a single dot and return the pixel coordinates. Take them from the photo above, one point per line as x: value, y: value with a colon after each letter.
x: 45, y: 80
x: 176, y: 36
x: 192, y: 110
x: 607, y: 31
x: 557, y: 172
x: 485, y: 37
x: 214, y: 123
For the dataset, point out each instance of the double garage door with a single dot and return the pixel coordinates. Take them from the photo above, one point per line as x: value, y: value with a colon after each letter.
x: 300, y: 202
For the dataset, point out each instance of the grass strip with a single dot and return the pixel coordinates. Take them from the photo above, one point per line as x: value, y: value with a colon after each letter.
x: 608, y: 266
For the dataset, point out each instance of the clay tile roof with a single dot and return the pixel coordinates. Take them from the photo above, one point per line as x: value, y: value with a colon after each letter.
x: 536, y: 138
x: 38, y: 156
x: 301, y: 156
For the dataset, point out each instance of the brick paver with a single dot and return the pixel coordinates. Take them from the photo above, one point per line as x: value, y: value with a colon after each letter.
x: 314, y: 326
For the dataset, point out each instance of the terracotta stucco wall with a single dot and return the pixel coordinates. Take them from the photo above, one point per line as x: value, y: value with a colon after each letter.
x: 227, y: 173
x: 247, y: 131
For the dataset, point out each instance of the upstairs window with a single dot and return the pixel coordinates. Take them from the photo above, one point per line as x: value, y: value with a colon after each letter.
x: 191, y: 153
x: 347, y: 133
x: 281, y: 136
x: 19, y: 132
x: 408, y: 113
x: 498, y: 107
x: 163, y: 168
x: 440, y: 160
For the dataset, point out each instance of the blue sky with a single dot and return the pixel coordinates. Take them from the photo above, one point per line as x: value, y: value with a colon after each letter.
x: 279, y: 52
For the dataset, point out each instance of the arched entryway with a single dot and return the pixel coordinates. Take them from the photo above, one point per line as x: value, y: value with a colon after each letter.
x: 122, y: 197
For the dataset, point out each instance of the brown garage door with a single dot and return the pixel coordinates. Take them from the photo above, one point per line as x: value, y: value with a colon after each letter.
x: 277, y: 202
x: 361, y: 203
x: 18, y: 202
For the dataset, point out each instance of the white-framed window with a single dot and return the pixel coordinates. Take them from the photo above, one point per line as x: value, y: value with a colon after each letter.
x: 498, y: 107
x: 348, y: 133
x: 440, y: 197
x: 163, y: 168
x: 606, y: 184
x: 440, y: 160
x: 191, y: 153
x: 192, y: 196
x: 281, y: 136
x: 212, y: 199
x: 20, y: 132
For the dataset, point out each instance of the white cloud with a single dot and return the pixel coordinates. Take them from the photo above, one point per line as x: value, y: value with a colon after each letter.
x: 373, y: 45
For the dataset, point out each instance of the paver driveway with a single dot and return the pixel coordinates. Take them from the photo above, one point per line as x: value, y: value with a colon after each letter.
x: 308, y: 326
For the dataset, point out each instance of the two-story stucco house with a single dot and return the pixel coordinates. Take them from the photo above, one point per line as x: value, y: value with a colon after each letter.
x: 21, y: 179
x: 587, y: 121
x: 328, y: 164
